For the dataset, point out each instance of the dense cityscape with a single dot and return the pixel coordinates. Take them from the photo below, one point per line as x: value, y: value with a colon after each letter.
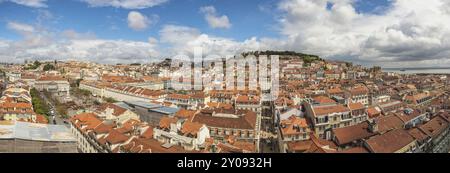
x: 323, y: 106
x: 218, y: 84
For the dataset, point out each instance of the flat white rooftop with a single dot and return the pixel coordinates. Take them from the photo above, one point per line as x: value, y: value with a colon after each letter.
x: 35, y: 132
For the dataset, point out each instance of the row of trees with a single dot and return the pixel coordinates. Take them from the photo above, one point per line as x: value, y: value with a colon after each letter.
x: 39, y: 105
x: 307, y: 59
x: 37, y: 64
x: 61, y: 108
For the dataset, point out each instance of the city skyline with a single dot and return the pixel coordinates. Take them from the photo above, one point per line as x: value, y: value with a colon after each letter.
x: 396, y: 33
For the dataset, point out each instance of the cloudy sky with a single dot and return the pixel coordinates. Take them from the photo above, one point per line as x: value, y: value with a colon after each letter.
x: 390, y: 33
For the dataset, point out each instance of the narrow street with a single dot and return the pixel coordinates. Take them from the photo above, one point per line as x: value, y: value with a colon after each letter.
x: 55, y: 118
x: 269, y: 141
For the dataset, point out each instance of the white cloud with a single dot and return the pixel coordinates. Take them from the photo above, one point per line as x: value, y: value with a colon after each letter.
x: 127, y: 4
x: 153, y: 41
x: 20, y: 27
x: 71, y: 34
x: 183, y: 39
x: 29, y: 3
x: 213, y: 19
x: 98, y: 50
x: 69, y: 44
x: 139, y: 22
x: 408, y: 31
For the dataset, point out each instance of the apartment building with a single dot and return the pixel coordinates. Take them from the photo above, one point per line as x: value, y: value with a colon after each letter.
x: 359, y: 94
x: 56, y: 85
x: 15, y: 104
x: 395, y: 141
x: 326, y: 117
x: 122, y: 93
x: 174, y: 131
x: 294, y: 129
x: 242, y: 124
x: 252, y: 103
x: 115, y: 113
x: 95, y: 135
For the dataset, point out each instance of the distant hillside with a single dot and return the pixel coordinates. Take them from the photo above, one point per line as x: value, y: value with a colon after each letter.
x: 165, y: 63
x: 284, y: 55
x: 287, y: 55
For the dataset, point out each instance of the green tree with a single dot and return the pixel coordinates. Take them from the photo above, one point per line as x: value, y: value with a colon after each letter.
x: 110, y: 100
x: 78, y: 82
x: 37, y: 63
x: 49, y: 67
x: 39, y: 105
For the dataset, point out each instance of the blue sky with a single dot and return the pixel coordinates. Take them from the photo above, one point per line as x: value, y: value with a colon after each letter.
x: 249, y: 18
x: 111, y: 23
x: 389, y: 33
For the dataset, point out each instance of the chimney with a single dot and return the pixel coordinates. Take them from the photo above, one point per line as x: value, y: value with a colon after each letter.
x: 373, y: 126
x: 231, y: 139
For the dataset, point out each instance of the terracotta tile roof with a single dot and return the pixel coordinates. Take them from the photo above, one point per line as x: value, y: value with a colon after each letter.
x: 178, y: 96
x: 435, y: 126
x: 283, y: 100
x: 139, y: 145
x: 288, y: 125
x: 86, y: 120
x: 390, y: 142
x: 51, y: 78
x: 148, y: 133
x: 355, y: 150
x: 243, y: 99
x: 408, y: 117
x: 418, y: 134
x: 299, y: 146
x: 115, y: 137
x: 191, y: 128
x: 212, y: 104
x: 373, y: 112
x: 359, y: 90
x: 131, y: 123
x: 356, y: 106
x: 103, y: 128
x: 323, y: 100
x: 117, y: 109
x: 445, y: 115
x: 389, y: 122
x: 246, y: 121
x: 151, y: 79
x: 416, y: 97
x: 320, y: 146
x: 198, y: 95
x: 119, y: 79
x: 349, y: 134
x: 334, y: 91
x: 8, y: 105
x: 137, y: 91
x: 325, y: 110
x: 28, y: 76
x: 246, y: 146
x: 135, y: 146
x: 183, y: 113
x: 166, y: 121
x: 220, y: 105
